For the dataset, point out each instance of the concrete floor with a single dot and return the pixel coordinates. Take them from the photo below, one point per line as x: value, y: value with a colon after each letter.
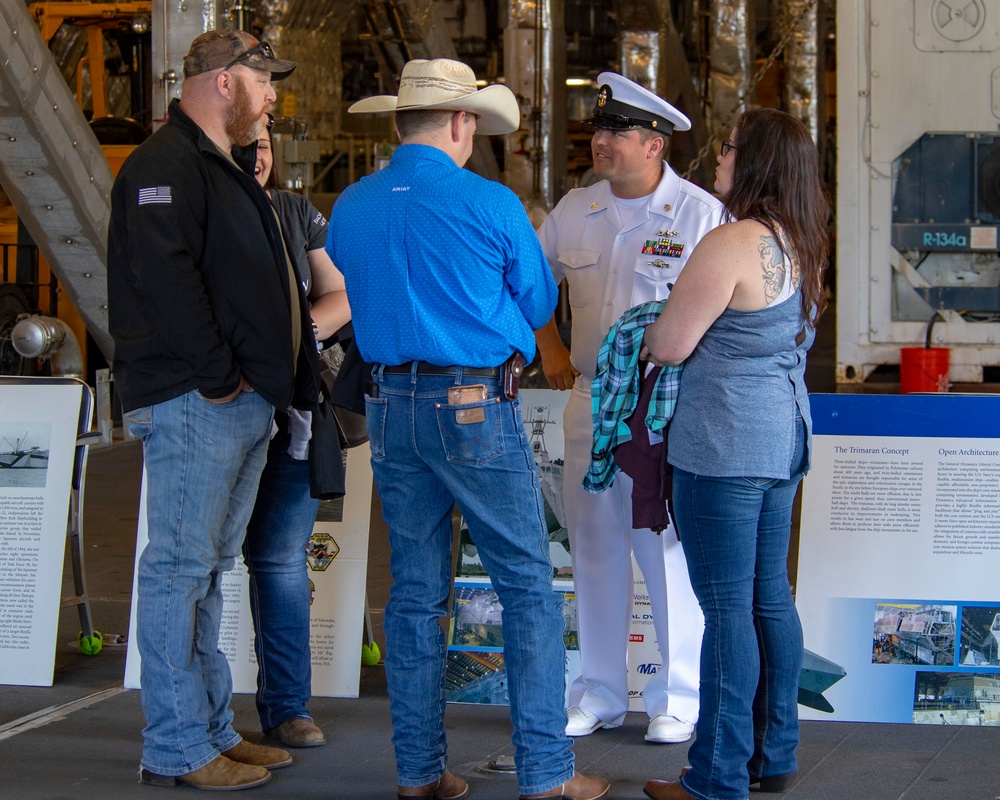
x: 81, y: 737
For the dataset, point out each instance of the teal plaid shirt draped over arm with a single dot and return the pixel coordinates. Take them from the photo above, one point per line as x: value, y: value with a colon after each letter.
x: 615, y: 392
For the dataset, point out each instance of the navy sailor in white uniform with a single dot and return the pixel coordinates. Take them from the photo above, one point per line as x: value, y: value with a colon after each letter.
x: 618, y: 243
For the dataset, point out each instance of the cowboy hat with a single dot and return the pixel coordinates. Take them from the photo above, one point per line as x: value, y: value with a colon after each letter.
x: 447, y: 85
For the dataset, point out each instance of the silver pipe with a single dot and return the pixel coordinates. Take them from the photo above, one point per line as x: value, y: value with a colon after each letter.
x: 803, y: 93
x: 730, y: 64
x: 535, y: 70
x: 640, y: 58
x: 52, y: 339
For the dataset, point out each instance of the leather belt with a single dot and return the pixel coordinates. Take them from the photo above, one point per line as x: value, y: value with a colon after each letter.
x: 426, y: 368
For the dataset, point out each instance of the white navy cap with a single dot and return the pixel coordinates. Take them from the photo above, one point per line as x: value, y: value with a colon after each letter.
x: 623, y: 104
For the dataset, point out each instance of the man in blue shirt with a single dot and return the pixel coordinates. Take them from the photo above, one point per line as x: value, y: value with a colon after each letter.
x: 447, y: 282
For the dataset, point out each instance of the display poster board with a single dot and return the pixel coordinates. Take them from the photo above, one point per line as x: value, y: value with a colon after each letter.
x: 337, y: 556
x: 475, y: 672
x: 38, y: 431
x: 899, y: 557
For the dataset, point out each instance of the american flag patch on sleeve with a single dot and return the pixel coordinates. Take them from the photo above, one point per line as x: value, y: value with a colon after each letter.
x: 155, y: 195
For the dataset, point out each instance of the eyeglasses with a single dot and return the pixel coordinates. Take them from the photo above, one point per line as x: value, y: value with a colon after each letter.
x: 726, y: 147
x: 263, y: 48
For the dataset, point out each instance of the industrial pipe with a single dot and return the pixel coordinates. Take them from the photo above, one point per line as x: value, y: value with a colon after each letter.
x: 49, y: 338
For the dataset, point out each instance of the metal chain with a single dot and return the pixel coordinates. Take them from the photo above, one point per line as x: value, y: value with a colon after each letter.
x: 722, y: 130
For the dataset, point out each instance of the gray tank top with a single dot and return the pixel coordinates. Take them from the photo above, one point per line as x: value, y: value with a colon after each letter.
x: 739, y: 392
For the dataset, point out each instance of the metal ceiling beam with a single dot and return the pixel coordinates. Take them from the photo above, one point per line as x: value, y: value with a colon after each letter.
x: 52, y: 168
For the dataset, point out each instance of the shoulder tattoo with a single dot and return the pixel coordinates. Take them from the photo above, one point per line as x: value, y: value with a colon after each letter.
x: 772, y: 265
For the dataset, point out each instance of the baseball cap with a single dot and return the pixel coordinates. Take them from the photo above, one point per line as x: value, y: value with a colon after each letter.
x: 623, y: 104
x: 222, y: 49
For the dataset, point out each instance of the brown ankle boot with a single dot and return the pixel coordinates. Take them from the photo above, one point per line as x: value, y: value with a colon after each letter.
x: 666, y: 790
x: 220, y: 774
x: 448, y: 787
x: 579, y: 787
x: 258, y: 756
x: 298, y: 732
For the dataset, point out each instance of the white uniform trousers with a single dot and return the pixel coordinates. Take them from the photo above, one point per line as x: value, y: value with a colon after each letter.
x: 601, y: 544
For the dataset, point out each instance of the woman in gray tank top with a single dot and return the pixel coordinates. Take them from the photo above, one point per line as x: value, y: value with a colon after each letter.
x: 740, y: 318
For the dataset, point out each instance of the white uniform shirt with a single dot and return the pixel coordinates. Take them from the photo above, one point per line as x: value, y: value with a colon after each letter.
x: 609, y: 267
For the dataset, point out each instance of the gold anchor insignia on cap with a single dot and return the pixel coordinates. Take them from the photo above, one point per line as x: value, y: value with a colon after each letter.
x: 593, y: 206
x: 667, y: 207
x: 602, y: 97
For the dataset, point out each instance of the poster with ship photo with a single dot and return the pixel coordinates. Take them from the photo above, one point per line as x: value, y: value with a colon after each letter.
x: 38, y: 431
x: 899, y: 551
x: 475, y: 672
x: 24, y: 454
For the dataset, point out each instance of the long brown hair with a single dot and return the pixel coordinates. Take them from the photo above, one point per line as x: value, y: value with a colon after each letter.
x: 272, y: 182
x: 776, y: 181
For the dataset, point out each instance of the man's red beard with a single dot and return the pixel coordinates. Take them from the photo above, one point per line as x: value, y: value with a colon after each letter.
x: 244, y: 124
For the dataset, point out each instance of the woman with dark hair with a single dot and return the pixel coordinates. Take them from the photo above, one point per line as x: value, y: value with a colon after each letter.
x: 285, y: 509
x: 740, y: 319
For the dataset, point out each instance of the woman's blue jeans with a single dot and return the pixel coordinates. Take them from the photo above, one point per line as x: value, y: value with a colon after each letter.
x: 275, y: 555
x: 735, y: 534
x: 425, y: 459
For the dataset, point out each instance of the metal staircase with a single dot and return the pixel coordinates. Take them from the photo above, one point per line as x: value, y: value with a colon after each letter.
x: 52, y: 168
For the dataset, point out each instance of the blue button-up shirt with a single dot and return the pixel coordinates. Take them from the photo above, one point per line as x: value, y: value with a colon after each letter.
x: 441, y: 265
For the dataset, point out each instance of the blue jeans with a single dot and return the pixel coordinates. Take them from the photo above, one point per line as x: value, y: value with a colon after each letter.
x: 735, y: 534
x: 424, y: 462
x: 275, y: 555
x: 202, y: 465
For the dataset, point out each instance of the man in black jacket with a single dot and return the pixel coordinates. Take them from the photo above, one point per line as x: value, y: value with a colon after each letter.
x: 208, y: 325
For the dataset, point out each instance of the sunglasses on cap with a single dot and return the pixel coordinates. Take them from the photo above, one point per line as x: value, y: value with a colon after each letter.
x: 262, y: 48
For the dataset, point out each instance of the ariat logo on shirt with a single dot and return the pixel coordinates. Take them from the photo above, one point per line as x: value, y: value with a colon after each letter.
x: 401, y: 188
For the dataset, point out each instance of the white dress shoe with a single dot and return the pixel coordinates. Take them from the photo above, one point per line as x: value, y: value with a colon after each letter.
x: 668, y: 730
x: 582, y: 723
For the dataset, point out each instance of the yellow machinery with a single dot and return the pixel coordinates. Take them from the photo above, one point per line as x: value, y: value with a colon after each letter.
x: 97, y: 19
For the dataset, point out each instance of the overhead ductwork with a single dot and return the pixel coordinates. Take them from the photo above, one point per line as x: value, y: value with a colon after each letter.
x: 652, y: 54
x: 535, y: 70
x: 803, y: 93
x: 731, y: 63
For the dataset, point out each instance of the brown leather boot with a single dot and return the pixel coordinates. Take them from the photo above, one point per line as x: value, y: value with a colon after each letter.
x: 579, y: 787
x: 448, y: 787
x: 258, y: 756
x: 666, y: 790
x: 298, y: 732
x: 220, y: 774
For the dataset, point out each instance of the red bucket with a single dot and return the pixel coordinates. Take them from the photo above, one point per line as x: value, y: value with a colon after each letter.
x: 923, y: 369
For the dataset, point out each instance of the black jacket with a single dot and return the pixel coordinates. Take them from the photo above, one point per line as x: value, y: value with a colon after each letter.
x: 198, y: 289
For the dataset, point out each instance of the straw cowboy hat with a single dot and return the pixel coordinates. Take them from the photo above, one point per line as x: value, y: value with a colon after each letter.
x: 447, y: 85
